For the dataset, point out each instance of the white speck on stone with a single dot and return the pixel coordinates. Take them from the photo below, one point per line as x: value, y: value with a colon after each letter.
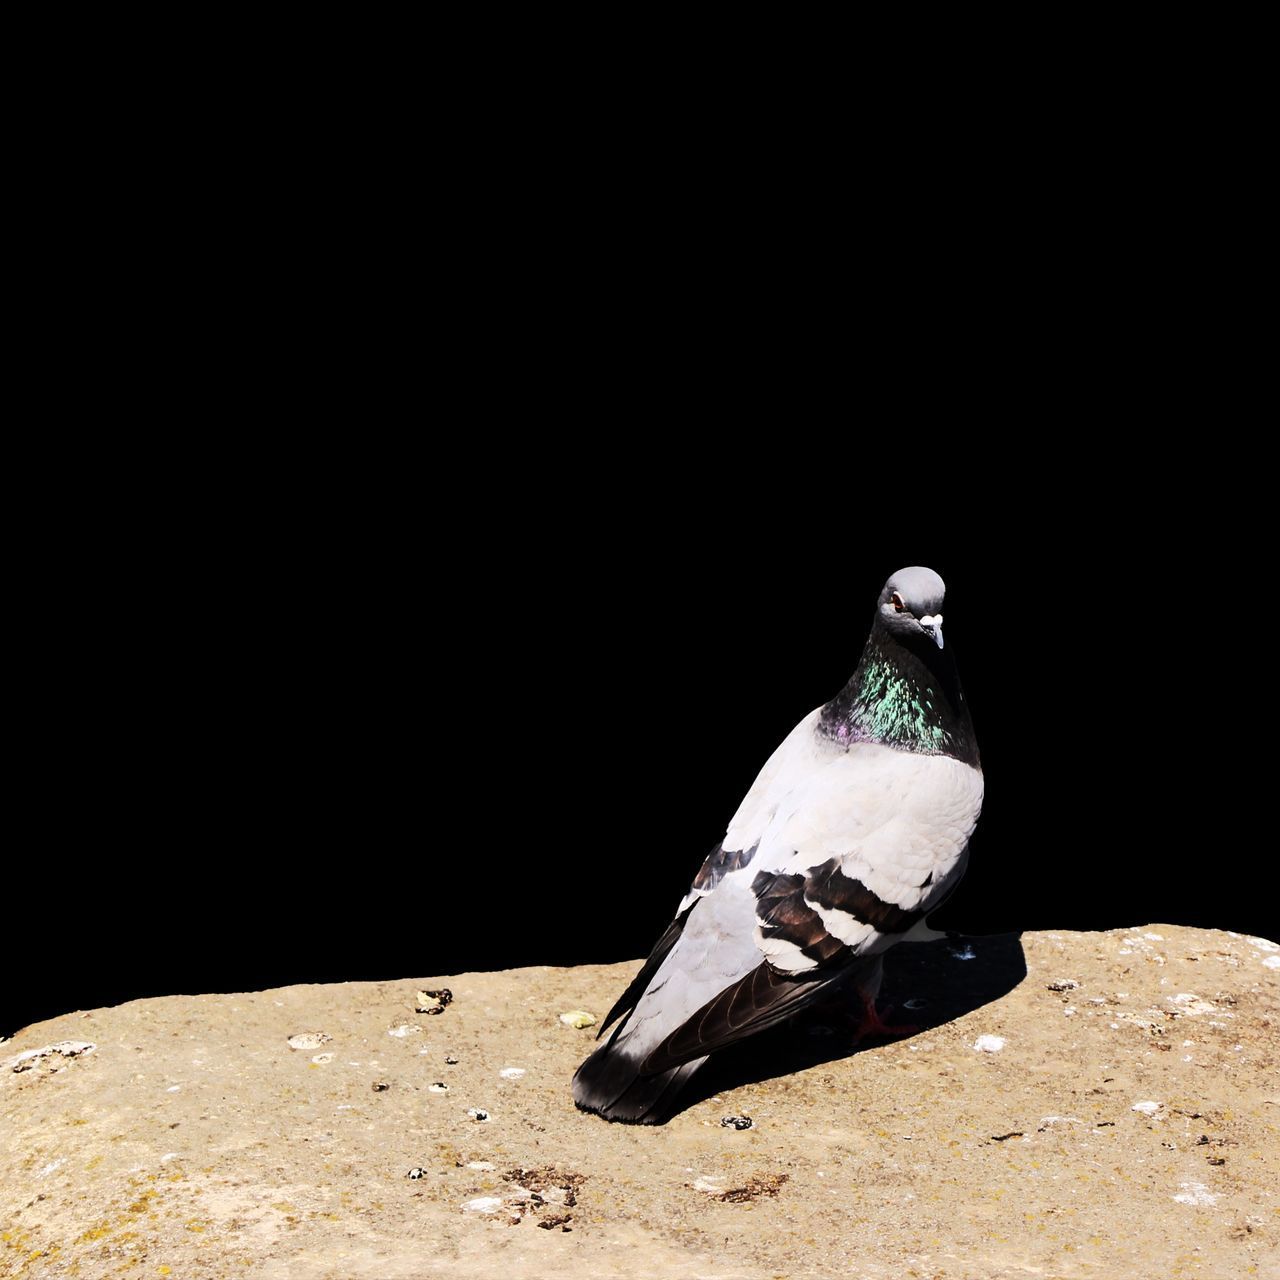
x: 344, y: 1106
x: 168, y: 1155
x: 1070, y: 1011
x: 321, y: 1058
x: 482, y: 1166
x: 423, y: 1052
x: 1124, y: 951
x: 50, y: 1167
x: 483, y: 1204
x: 437, y: 1088
x: 1194, y: 1006
x: 511, y: 1073
x: 1155, y: 937
x: 309, y: 1040
x: 1196, y: 1193
x: 1115, y: 1026
x: 173, y: 1088
x: 1237, y: 1048
x: 402, y: 1029
x: 1263, y: 944
x: 66, y: 1048
x: 1147, y: 1108
x: 710, y: 1185
x: 989, y: 1044
x: 578, y: 1018
x: 1272, y: 962
x: 1186, y: 1057
x: 478, y: 1113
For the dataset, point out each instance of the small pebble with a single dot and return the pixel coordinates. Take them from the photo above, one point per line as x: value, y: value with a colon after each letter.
x: 511, y: 1073
x: 989, y: 1044
x: 483, y: 1204
x: 1147, y: 1108
x: 578, y: 1018
x: 438, y: 1087
x: 308, y: 1040
x: 433, y: 1001
x: 482, y: 1166
x: 478, y: 1113
x: 737, y: 1122
x: 380, y: 1086
x: 450, y: 1060
x: 416, y: 1172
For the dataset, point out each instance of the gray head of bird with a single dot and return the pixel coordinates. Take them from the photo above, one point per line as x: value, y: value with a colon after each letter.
x: 910, y: 606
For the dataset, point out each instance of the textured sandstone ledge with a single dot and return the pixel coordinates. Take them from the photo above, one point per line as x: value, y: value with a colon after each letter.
x: 1122, y: 1118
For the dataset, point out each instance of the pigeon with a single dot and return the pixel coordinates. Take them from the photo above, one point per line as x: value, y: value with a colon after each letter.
x: 855, y: 830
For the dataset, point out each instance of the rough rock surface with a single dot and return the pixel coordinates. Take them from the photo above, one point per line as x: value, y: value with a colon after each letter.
x: 1073, y: 1105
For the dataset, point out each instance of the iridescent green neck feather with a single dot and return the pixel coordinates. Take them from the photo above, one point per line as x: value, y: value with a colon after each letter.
x: 907, y: 698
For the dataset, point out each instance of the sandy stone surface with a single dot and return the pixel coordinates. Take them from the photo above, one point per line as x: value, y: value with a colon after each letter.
x: 1073, y: 1105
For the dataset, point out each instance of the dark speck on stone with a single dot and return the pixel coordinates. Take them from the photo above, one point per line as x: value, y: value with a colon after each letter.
x: 737, y: 1122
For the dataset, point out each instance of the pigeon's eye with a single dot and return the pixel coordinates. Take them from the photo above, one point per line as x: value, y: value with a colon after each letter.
x: 898, y: 602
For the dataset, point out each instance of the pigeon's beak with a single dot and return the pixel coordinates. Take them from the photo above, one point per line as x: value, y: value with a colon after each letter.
x: 933, y: 628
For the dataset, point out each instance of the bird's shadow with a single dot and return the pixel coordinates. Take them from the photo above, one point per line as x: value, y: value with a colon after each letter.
x: 925, y: 984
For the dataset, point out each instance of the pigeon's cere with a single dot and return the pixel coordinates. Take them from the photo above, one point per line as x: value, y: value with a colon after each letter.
x: 857, y: 827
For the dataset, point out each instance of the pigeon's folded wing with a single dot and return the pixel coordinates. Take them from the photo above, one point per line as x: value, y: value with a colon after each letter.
x: 792, y: 760
x: 848, y: 865
x: 870, y: 846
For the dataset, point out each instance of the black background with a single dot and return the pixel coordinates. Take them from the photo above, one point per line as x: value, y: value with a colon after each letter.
x: 482, y: 720
x: 466, y: 577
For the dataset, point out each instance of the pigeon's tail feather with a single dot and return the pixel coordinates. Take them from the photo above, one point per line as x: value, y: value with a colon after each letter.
x: 611, y: 1084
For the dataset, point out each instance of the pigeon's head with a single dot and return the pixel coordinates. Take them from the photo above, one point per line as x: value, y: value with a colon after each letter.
x: 910, y: 605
